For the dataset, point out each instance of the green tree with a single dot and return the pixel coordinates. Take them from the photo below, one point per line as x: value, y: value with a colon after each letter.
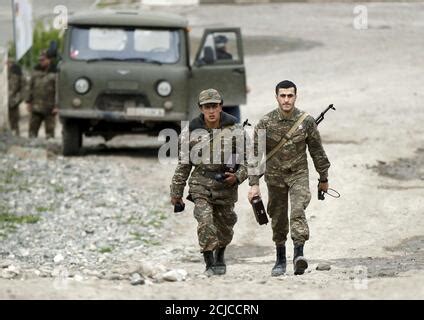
x: 42, y: 37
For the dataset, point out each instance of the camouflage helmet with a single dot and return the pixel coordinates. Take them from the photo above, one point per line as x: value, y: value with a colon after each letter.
x: 209, y: 96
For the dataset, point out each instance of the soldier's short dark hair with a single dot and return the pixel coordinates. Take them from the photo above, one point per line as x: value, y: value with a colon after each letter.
x: 285, y: 84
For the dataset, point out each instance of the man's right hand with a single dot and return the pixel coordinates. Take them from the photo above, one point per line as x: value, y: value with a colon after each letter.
x: 175, y: 200
x: 254, y: 191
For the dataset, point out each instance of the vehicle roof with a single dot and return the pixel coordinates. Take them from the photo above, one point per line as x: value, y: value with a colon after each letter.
x: 129, y: 18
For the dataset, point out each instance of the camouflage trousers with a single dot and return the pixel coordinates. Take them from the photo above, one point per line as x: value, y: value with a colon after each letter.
x: 37, y: 119
x: 215, y: 224
x: 300, y: 196
x: 14, y: 119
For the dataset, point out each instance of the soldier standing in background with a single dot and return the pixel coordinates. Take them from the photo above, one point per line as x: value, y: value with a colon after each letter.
x: 213, y: 187
x: 286, y: 173
x: 16, y: 87
x: 221, y: 48
x: 41, y: 97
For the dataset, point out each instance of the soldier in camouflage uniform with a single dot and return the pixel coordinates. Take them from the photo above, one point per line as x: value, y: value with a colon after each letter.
x: 16, y: 86
x: 41, y: 97
x: 213, y: 199
x: 286, y: 173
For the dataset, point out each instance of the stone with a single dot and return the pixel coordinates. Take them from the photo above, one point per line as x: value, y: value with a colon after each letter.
x: 24, y: 252
x: 58, y: 258
x: 148, y: 269
x: 175, y: 275
x: 323, y: 266
x: 5, y: 263
x: 114, y: 276
x: 78, y: 278
x: 136, y: 279
x: 10, y: 272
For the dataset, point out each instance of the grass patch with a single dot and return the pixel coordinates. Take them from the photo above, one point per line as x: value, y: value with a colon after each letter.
x: 24, y: 187
x: 59, y: 189
x: 105, y: 249
x: 7, y: 218
x: 9, y: 222
x: 136, y: 235
x: 155, y: 219
x: 10, y: 175
x: 159, y: 217
x: 11, y: 180
x: 151, y: 242
x: 42, y: 209
x: 145, y: 239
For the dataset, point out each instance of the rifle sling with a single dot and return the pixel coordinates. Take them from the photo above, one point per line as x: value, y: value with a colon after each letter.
x: 286, y: 137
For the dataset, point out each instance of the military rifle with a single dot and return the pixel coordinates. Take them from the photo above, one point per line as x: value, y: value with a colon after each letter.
x: 321, y: 116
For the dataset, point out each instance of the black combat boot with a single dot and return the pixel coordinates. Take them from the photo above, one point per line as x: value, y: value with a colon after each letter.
x: 220, y: 267
x: 280, y: 265
x: 208, y: 255
x: 299, y: 262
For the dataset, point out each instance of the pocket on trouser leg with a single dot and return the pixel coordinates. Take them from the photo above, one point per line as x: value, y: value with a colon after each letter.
x: 229, y: 217
x: 225, y: 218
x: 207, y: 235
x: 299, y: 229
x: 206, y: 230
x: 298, y: 223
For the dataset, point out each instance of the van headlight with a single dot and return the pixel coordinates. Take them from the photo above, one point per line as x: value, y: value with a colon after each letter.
x: 164, y: 88
x: 82, y: 85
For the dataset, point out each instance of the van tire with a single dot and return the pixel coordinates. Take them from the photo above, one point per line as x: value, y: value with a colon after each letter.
x: 71, y: 138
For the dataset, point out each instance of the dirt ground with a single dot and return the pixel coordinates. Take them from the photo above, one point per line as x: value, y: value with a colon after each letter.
x: 373, y: 236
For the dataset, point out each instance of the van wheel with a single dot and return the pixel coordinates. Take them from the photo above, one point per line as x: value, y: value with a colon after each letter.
x: 234, y: 111
x: 71, y: 138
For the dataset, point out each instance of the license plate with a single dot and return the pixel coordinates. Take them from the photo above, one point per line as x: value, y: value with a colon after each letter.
x: 146, y: 112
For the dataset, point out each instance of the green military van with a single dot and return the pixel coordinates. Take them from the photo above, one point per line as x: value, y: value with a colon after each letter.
x: 131, y: 72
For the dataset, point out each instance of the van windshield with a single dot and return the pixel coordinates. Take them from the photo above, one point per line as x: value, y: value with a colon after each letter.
x: 132, y: 44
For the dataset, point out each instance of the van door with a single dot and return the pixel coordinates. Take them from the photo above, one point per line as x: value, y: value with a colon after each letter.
x: 219, y: 64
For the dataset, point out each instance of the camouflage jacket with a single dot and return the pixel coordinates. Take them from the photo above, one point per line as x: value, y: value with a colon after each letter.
x: 16, y: 86
x: 202, y: 183
x: 42, y: 91
x: 291, y: 157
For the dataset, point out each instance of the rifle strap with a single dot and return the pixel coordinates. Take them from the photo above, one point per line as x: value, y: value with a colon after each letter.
x: 286, y: 137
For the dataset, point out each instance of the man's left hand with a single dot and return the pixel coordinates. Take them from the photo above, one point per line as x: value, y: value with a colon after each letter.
x: 323, y: 186
x: 231, y: 178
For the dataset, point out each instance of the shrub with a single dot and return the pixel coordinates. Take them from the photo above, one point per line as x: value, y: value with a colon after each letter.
x: 43, y: 35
